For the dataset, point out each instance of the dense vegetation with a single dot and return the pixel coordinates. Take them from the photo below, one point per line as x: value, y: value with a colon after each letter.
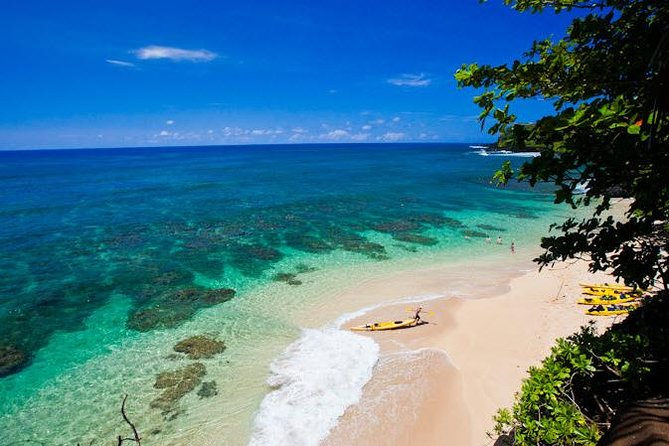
x: 573, y: 397
x: 517, y: 138
x: 608, y: 79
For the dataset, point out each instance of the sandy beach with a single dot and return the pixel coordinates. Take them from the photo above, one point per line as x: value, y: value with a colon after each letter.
x: 442, y: 382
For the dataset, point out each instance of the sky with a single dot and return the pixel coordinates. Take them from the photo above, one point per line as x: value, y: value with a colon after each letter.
x: 156, y: 73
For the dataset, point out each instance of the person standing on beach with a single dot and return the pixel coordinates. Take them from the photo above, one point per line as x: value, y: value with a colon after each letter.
x: 513, y: 248
x: 417, y: 315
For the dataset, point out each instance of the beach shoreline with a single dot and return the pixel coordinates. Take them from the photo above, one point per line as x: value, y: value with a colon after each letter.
x: 443, y: 381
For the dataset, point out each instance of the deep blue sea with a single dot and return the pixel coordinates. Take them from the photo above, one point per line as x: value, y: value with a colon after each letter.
x: 108, y: 254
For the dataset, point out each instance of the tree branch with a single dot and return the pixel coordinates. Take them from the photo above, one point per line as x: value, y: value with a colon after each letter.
x: 137, y: 438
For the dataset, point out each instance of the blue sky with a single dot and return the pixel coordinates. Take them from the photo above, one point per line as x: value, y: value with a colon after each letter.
x: 143, y: 73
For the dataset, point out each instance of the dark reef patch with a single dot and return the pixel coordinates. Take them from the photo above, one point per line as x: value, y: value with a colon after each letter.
x: 12, y: 359
x: 175, y: 385
x: 397, y: 226
x: 352, y: 242
x: 289, y: 278
x: 416, y: 239
x: 435, y: 220
x: 207, y: 390
x: 486, y: 227
x: 170, y: 309
x: 252, y: 259
x: 199, y: 347
x: 306, y: 243
x: 302, y: 268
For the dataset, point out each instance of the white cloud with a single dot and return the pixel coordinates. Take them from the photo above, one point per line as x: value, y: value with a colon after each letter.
x: 169, y: 122
x: 366, y: 127
x: 360, y: 137
x: 120, y: 63
x: 462, y: 118
x: 411, y: 80
x: 396, y: 119
x: 299, y: 130
x: 266, y: 132
x: 392, y: 136
x: 335, y: 135
x: 164, y: 133
x: 210, y: 132
x: 174, y: 54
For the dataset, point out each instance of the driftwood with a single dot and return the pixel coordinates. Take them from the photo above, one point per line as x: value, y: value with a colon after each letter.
x: 137, y: 439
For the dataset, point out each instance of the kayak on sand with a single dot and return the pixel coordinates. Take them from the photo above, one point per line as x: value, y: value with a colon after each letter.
x: 390, y: 325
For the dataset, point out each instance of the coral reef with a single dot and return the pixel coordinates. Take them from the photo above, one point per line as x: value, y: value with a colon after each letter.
x: 170, y: 309
x: 175, y: 385
x: 289, y: 278
x: 415, y: 238
x: 207, y: 390
x: 12, y: 359
x: 199, y: 347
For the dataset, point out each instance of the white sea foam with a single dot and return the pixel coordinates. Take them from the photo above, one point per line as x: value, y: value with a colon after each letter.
x: 506, y: 153
x: 316, y: 379
x: 523, y: 154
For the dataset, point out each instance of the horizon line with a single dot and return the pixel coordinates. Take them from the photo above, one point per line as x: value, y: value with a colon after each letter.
x: 45, y: 149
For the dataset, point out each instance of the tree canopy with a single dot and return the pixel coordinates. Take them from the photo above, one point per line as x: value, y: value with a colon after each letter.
x: 608, y: 78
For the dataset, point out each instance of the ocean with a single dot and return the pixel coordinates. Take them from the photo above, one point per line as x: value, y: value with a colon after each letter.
x: 111, y: 257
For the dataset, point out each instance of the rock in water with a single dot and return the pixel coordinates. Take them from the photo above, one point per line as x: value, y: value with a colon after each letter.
x: 207, y: 389
x: 176, y: 385
x: 11, y: 359
x: 200, y: 347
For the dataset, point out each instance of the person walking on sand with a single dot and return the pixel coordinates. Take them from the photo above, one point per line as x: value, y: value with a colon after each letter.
x: 416, y: 317
x: 513, y: 248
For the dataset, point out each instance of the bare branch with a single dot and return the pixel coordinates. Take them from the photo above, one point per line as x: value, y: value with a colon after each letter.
x: 137, y: 438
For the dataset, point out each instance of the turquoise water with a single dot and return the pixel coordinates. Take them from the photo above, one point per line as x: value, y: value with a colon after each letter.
x: 111, y: 256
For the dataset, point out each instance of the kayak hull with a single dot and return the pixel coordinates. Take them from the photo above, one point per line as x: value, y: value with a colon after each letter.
x: 606, y: 286
x: 389, y: 325
x: 602, y: 301
x: 596, y: 292
x: 611, y: 311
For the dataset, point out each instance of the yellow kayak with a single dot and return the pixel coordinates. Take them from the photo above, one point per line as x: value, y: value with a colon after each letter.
x: 610, y: 310
x: 606, y: 286
x: 595, y: 292
x: 390, y: 325
x: 604, y: 300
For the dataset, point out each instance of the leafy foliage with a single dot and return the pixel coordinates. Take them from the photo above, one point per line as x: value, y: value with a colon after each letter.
x: 572, y: 397
x: 608, y: 79
x: 517, y: 137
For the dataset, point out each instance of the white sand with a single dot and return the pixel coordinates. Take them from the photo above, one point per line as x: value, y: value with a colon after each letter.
x: 442, y: 382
